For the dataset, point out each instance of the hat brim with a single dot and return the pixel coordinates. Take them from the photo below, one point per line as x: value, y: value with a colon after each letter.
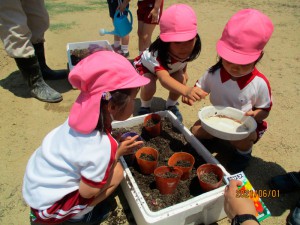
x: 235, y: 57
x: 177, y: 37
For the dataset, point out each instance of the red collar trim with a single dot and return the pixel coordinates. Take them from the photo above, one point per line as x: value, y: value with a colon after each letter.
x: 242, y: 81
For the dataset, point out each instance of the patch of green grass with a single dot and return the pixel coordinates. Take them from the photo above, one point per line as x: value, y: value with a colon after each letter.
x: 55, y: 8
x: 61, y: 26
x: 59, y: 7
x: 99, y: 3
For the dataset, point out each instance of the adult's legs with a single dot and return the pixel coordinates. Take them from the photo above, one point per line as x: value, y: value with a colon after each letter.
x: 16, y: 37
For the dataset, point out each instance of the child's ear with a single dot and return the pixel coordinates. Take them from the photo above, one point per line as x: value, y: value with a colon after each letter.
x: 111, y: 107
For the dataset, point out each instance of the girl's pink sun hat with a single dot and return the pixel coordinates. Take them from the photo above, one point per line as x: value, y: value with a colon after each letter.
x: 100, y: 72
x: 178, y: 23
x: 245, y: 36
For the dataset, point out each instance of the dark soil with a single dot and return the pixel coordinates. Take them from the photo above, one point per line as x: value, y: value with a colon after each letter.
x: 77, y: 55
x: 183, y: 163
x: 152, y: 122
x: 147, y: 157
x: 209, y: 178
x: 168, y: 175
x: 168, y: 142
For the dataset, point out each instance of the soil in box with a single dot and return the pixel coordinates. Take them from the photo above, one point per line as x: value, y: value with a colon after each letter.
x: 167, y: 143
x: 78, y: 54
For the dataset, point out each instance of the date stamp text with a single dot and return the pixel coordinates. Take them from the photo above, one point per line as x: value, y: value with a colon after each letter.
x: 257, y: 193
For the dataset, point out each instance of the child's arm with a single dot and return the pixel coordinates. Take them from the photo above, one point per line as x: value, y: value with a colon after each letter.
x: 258, y: 114
x: 192, y: 93
x: 122, y: 7
x: 128, y: 146
x: 154, y: 14
x: 87, y: 191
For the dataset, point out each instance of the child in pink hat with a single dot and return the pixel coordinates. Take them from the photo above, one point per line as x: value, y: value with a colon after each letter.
x: 70, y: 176
x: 234, y: 80
x: 167, y: 58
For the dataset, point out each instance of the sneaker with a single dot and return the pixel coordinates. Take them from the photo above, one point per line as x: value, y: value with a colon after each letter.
x: 294, y: 217
x: 126, y: 55
x: 285, y: 183
x: 116, y: 49
x: 239, y: 162
x: 144, y: 110
x: 176, y: 112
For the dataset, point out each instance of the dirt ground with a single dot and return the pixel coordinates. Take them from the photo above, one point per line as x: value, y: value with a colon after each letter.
x: 25, y: 120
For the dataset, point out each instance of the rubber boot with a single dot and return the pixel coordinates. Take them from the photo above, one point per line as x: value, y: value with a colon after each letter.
x: 30, y: 70
x: 48, y: 74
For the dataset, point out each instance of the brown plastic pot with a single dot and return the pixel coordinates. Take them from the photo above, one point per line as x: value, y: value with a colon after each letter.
x: 167, y: 185
x: 182, y: 156
x: 210, y: 168
x: 153, y: 131
x: 147, y: 167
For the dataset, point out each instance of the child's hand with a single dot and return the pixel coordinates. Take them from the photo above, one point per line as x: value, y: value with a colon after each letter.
x: 129, y: 145
x: 194, y: 94
x: 187, y: 100
x: 259, y: 114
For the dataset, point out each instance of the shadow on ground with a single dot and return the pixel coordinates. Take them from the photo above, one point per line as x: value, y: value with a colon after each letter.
x: 15, y: 83
x: 158, y: 104
x: 259, y: 172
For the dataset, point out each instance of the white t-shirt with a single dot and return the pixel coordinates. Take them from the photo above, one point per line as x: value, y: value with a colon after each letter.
x: 248, y: 92
x: 65, y: 157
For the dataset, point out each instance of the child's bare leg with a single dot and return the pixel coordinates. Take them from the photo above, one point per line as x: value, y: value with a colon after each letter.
x: 245, y: 144
x: 112, y: 183
x: 148, y: 90
x: 145, y: 34
x: 199, y: 132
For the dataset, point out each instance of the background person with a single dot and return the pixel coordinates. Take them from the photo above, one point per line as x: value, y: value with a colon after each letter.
x: 120, y: 43
x: 148, y: 15
x: 22, y: 28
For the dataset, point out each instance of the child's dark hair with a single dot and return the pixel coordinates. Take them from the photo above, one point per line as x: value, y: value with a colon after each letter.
x: 218, y: 65
x: 162, y: 49
x: 119, y: 98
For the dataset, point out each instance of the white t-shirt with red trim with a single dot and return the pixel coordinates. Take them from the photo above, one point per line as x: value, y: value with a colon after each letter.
x: 148, y: 62
x: 64, y: 158
x: 249, y: 92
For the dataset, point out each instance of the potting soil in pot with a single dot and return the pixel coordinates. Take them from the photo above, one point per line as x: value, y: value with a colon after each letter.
x: 168, y: 142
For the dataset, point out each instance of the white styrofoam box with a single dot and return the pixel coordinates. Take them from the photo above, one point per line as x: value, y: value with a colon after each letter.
x: 84, y: 45
x: 206, y: 208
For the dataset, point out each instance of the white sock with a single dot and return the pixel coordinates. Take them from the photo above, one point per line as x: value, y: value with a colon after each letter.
x: 146, y: 104
x: 124, y: 48
x: 244, y: 152
x: 170, y: 103
x: 117, y: 44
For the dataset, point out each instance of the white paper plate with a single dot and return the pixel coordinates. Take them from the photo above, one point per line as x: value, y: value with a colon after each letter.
x: 226, y: 123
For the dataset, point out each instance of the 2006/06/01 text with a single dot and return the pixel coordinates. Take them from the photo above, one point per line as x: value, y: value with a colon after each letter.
x: 257, y: 193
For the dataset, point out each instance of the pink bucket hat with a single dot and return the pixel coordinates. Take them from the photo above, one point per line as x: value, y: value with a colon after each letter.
x: 178, y: 23
x: 100, y: 72
x: 245, y: 36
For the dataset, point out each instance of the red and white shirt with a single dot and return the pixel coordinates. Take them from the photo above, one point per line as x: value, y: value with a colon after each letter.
x: 53, y: 172
x: 150, y: 63
x: 249, y: 92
